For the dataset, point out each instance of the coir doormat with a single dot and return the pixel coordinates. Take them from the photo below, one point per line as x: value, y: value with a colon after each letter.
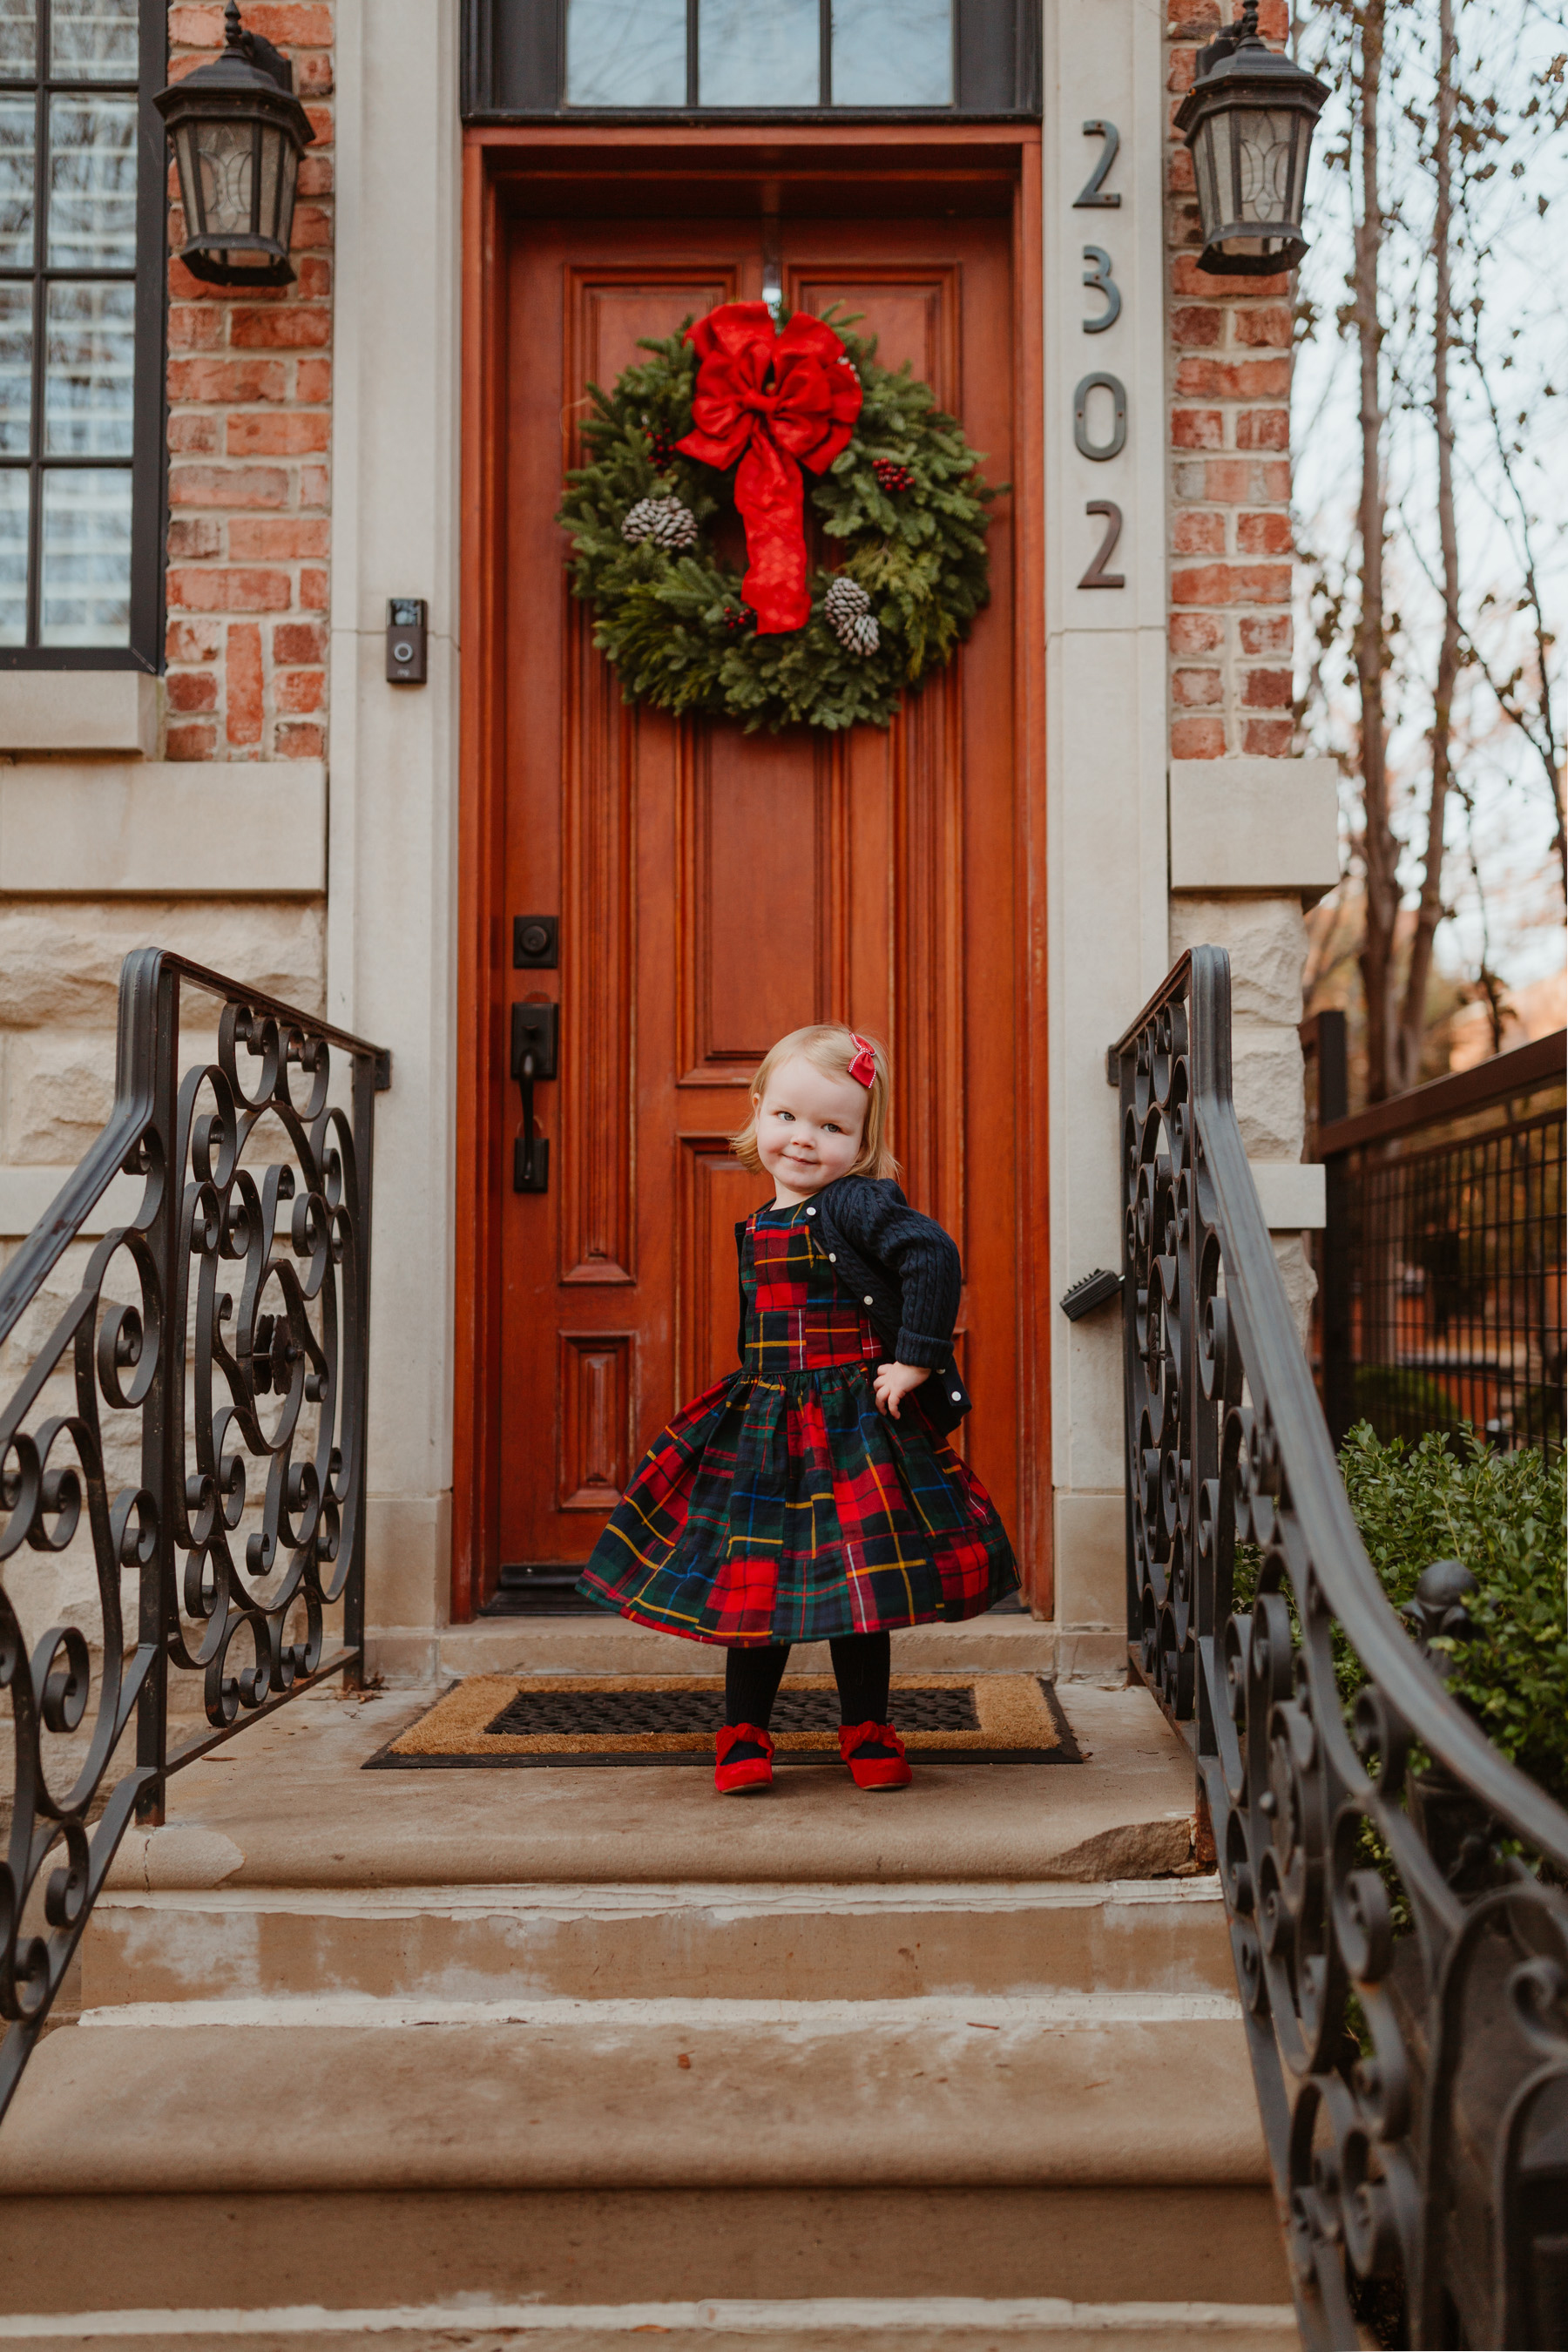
x: 672, y: 1720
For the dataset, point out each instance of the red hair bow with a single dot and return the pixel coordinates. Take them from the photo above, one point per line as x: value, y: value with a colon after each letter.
x: 775, y: 403
x: 864, y: 1065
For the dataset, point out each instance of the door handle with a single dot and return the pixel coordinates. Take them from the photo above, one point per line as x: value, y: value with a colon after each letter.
x: 535, y: 1047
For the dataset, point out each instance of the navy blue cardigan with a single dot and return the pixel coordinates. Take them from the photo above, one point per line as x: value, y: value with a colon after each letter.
x: 904, y: 1270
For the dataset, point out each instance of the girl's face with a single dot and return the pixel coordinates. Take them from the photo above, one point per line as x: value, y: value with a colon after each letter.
x: 809, y: 1128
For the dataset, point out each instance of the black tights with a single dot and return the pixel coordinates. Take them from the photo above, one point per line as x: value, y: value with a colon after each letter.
x: 862, y: 1666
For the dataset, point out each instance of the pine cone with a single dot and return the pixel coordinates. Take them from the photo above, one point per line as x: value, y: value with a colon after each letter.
x: 848, y: 610
x: 891, y: 477
x: 664, y: 520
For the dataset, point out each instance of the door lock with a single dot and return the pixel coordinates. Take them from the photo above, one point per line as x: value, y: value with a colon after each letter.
x: 535, y: 1046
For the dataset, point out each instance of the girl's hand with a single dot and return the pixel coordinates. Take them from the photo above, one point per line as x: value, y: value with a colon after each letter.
x: 894, y: 1381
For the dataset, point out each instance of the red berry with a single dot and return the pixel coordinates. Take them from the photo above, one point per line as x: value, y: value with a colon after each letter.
x: 891, y: 477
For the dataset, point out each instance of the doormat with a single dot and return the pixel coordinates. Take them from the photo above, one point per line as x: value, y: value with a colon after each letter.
x: 512, y: 1719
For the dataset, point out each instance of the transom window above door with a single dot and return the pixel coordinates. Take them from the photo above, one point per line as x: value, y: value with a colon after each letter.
x: 749, y: 58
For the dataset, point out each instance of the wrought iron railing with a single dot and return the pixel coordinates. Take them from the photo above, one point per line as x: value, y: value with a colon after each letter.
x: 1394, y: 1886
x: 183, y: 1447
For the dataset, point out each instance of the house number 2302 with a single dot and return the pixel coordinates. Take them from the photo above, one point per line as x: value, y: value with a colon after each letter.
x: 1099, y: 277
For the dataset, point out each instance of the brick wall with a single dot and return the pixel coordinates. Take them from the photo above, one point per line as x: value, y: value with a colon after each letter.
x: 1229, y: 358
x: 251, y: 380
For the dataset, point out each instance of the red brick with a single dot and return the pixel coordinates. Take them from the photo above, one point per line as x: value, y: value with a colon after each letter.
x: 191, y: 689
x: 299, y: 689
x: 244, y: 380
x: 193, y: 436
x: 1193, y: 20
x: 1197, y: 739
x: 1274, y: 480
x: 1227, y: 480
x: 1186, y: 277
x: 193, y: 538
x: 243, y: 682
x: 1268, y: 739
x: 300, y: 741
x: 183, y: 287
x: 195, y: 741
x: 298, y: 641
x: 315, y: 176
x: 228, y: 486
x: 312, y: 226
x: 313, y: 380
x: 1267, y: 690
x: 1194, y: 689
x: 1232, y: 379
x: 294, y: 327
x: 313, y: 591
x: 1197, y: 429
x: 1274, y: 21
x: 313, y: 78
x: 315, y: 483
x: 1201, y: 324
x: 291, y: 26
x: 194, y: 326
x: 269, y: 433
x: 1232, y: 583
x: 1274, y: 635
x: 192, y: 641
x: 1179, y: 172
x: 197, y: 591
x: 1263, y: 428
x: 197, y: 29
x: 315, y: 276
x: 1263, y: 534
x: 1182, y: 67
x: 1195, y: 534
x: 281, y: 539
x: 1270, y: 324
x: 1197, y: 633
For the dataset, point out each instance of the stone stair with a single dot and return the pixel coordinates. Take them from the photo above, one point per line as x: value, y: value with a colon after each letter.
x: 565, y: 2057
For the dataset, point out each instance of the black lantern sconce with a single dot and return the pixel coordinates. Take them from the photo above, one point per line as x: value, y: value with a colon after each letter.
x: 239, y: 132
x: 1248, y: 119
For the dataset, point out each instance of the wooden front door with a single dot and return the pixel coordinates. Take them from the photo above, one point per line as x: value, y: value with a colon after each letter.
x: 713, y: 889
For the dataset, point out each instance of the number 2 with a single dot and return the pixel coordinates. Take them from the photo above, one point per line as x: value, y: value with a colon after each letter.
x: 1097, y: 576
x: 1092, y: 198
x: 1098, y: 279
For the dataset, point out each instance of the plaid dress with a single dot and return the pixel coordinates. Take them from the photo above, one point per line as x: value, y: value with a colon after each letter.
x: 780, y: 1506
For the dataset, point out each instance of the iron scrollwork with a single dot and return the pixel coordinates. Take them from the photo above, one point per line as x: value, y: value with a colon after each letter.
x: 186, y: 1440
x: 1394, y: 1886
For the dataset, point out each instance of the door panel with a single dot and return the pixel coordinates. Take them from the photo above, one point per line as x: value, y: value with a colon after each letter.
x: 716, y: 889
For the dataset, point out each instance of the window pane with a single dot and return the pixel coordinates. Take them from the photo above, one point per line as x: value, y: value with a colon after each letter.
x: 18, y: 137
x: 93, y: 40
x: 15, y: 370
x: 86, y: 586
x: 625, y: 52
x: 13, y: 559
x: 892, y: 52
x: 88, y: 367
x: 93, y: 183
x: 19, y: 37
x: 747, y: 56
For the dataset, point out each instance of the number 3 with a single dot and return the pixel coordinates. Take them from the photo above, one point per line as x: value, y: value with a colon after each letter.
x: 1098, y: 279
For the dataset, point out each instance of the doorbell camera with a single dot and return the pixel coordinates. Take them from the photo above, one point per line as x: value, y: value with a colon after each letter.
x: 405, y: 638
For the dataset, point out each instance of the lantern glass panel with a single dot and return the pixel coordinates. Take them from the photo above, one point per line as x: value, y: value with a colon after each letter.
x: 1264, y: 144
x: 272, y: 144
x: 219, y: 175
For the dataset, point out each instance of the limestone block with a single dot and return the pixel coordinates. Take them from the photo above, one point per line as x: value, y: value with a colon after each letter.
x: 1290, y: 1255
x: 1267, y: 941
x: 59, y: 1084
x: 60, y: 958
x: 1267, y: 1083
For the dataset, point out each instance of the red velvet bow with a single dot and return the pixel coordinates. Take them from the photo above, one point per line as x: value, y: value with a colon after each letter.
x: 776, y: 402
x: 864, y: 1065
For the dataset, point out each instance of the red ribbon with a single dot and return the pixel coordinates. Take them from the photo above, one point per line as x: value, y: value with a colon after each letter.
x: 776, y: 403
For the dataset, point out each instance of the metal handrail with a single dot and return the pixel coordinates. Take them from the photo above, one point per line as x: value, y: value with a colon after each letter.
x: 1373, y: 2152
x: 249, y: 1254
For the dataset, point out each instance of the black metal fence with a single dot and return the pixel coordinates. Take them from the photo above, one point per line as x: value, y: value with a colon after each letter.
x: 183, y: 1445
x: 1395, y: 1888
x: 1442, y: 1267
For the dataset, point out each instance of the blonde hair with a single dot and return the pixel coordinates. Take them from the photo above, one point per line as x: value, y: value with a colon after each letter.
x: 831, y: 1049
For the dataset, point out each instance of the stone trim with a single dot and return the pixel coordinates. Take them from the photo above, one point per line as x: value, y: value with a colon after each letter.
x: 81, y: 710
x: 1260, y: 824
x: 164, y: 829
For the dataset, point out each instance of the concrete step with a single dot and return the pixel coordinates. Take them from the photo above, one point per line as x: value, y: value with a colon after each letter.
x: 603, y: 1644
x: 384, y: 2153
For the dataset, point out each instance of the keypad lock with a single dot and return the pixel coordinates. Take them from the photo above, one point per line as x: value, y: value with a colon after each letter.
x: 535, y: 1049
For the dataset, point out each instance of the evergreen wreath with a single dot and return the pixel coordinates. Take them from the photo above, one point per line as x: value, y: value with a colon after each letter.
x: 903, y: 504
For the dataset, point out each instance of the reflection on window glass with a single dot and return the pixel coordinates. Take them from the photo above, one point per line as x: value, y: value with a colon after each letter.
x: 748, y: 56
x: 93, y: 183
x: 19, y: 124
x: 15, y: 371
x: 93, y: 40
x: 625, y: 52
x: 85, y: 580
x: 19, y: 37
x: 892, y: 52
x: 13, y: 559
x: 88, y: 368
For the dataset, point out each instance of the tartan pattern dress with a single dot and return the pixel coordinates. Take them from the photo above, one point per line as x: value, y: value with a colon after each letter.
x: 780, y: 1506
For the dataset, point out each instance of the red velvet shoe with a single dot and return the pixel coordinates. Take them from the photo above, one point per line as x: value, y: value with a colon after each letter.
x: 747, y: 1772
x: 874, y: 1772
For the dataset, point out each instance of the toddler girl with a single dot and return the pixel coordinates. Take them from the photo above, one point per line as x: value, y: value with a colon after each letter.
x: 812, y: 1494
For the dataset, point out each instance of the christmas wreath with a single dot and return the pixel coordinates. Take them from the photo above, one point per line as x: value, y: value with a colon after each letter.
x: 731, y: 415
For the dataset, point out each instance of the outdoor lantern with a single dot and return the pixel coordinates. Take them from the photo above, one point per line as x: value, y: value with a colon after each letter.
x: 1248, y: 120
x: 238, y: 131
